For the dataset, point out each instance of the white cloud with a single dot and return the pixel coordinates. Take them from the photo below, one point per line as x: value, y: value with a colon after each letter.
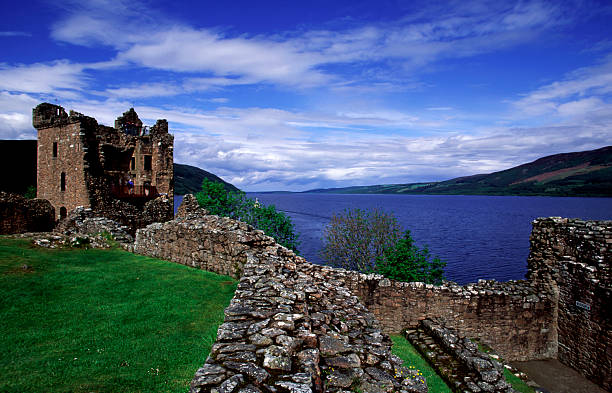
x: 143, y: 90
x: 16, y: 116
x: 219, y: 100
x: 188, y: 50
x: 54, y: 77
x: 301, y: 58
x: 583, y: 91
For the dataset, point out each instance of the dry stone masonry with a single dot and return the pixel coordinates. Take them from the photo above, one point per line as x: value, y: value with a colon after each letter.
x: 512, y: 317
x: 291, y: 327
x: 286, y: 308
x: 458, y: 360
x: 572, y: 259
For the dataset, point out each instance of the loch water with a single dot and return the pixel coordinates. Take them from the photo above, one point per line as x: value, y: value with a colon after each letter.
x: 479, y: 237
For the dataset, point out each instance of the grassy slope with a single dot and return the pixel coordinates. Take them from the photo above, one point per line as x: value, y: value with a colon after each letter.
x: 586, y: 173
x: 411, y: 358
x: 103, y: 320
x: 188, y: 179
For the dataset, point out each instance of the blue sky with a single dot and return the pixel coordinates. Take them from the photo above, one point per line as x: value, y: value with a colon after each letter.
x: 276, y: 95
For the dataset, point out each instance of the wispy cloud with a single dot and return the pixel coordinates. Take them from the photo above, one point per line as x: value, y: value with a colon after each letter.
x: 15, y: 34
x: 302, y: 58
x: 55, y: 77
x: 582, y: 92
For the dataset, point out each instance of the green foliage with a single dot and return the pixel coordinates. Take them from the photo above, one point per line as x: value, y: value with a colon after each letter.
x: 356, y: 238
x: 220, y: 202
x: 406, y: 262
x: 412, y: 359
x: 217, y: 200
x: 103, y: 320
x: 30, y: 192
x: 370, y: 241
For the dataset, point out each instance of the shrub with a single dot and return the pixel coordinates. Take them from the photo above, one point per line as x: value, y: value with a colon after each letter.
x: 356, y: 238
x: 236, y: 205
x: 371, y: 241
x: 406, y: 262
x: 30, y: 192
x: 218, y: 201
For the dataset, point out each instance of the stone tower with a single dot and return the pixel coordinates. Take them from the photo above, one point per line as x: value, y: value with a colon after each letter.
x: 115, y: 171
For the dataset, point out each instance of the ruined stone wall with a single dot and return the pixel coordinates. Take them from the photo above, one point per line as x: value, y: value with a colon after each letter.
x: 20, y: 215
x: 571, y: 258
x: 521, y: 320
x: 513, y: 317
x: 291, y: 327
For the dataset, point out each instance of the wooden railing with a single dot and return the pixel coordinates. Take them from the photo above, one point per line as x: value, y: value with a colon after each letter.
x: 136, y: 191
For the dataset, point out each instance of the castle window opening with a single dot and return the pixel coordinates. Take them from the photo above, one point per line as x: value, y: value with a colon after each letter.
x: 63, y: 181
x: 133, y: 163
x: 63, y: 212
x: 54, y: 149
x: 147, y: 162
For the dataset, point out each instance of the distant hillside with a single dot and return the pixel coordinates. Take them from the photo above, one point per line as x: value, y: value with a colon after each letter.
x: 188, y: 179
x: 586, y: 173
x: 18, y: 158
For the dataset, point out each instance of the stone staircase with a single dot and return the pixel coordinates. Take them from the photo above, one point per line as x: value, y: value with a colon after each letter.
x: 458, y: 361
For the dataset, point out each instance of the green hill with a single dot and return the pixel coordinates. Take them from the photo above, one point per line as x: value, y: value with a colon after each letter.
x: 586, y: 173
x: 188, y: 179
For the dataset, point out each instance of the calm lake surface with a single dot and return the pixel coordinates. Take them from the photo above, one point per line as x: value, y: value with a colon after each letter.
x: 478, y: 236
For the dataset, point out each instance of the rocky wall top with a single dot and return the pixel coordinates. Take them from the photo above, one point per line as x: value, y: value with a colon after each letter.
x: 293, y: 327
x: 555, y: 240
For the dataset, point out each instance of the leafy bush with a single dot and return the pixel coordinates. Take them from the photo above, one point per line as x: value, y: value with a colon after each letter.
x: 371, y: 241
x: 356, y: 238
x: 30, y: 192
x: 406, y: 262
x: 218, y: 201
x: 236, y: 205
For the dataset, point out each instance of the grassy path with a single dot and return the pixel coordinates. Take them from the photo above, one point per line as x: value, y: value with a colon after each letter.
x: 103, y: 320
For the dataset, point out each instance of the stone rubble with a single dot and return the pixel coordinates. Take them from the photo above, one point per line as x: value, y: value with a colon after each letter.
x: 83, y: 221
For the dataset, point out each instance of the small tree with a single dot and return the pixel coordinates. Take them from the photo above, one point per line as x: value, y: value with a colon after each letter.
x: 371, y: 241
x: 217, y: 200
x: 406, y: 262
x: 355, y: 239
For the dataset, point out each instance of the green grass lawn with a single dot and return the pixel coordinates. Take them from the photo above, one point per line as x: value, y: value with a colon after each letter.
x: 411, y: 358
x: 103, y: 320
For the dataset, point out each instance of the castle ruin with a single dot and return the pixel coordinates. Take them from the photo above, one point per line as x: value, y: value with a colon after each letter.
x: 124, y: 173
